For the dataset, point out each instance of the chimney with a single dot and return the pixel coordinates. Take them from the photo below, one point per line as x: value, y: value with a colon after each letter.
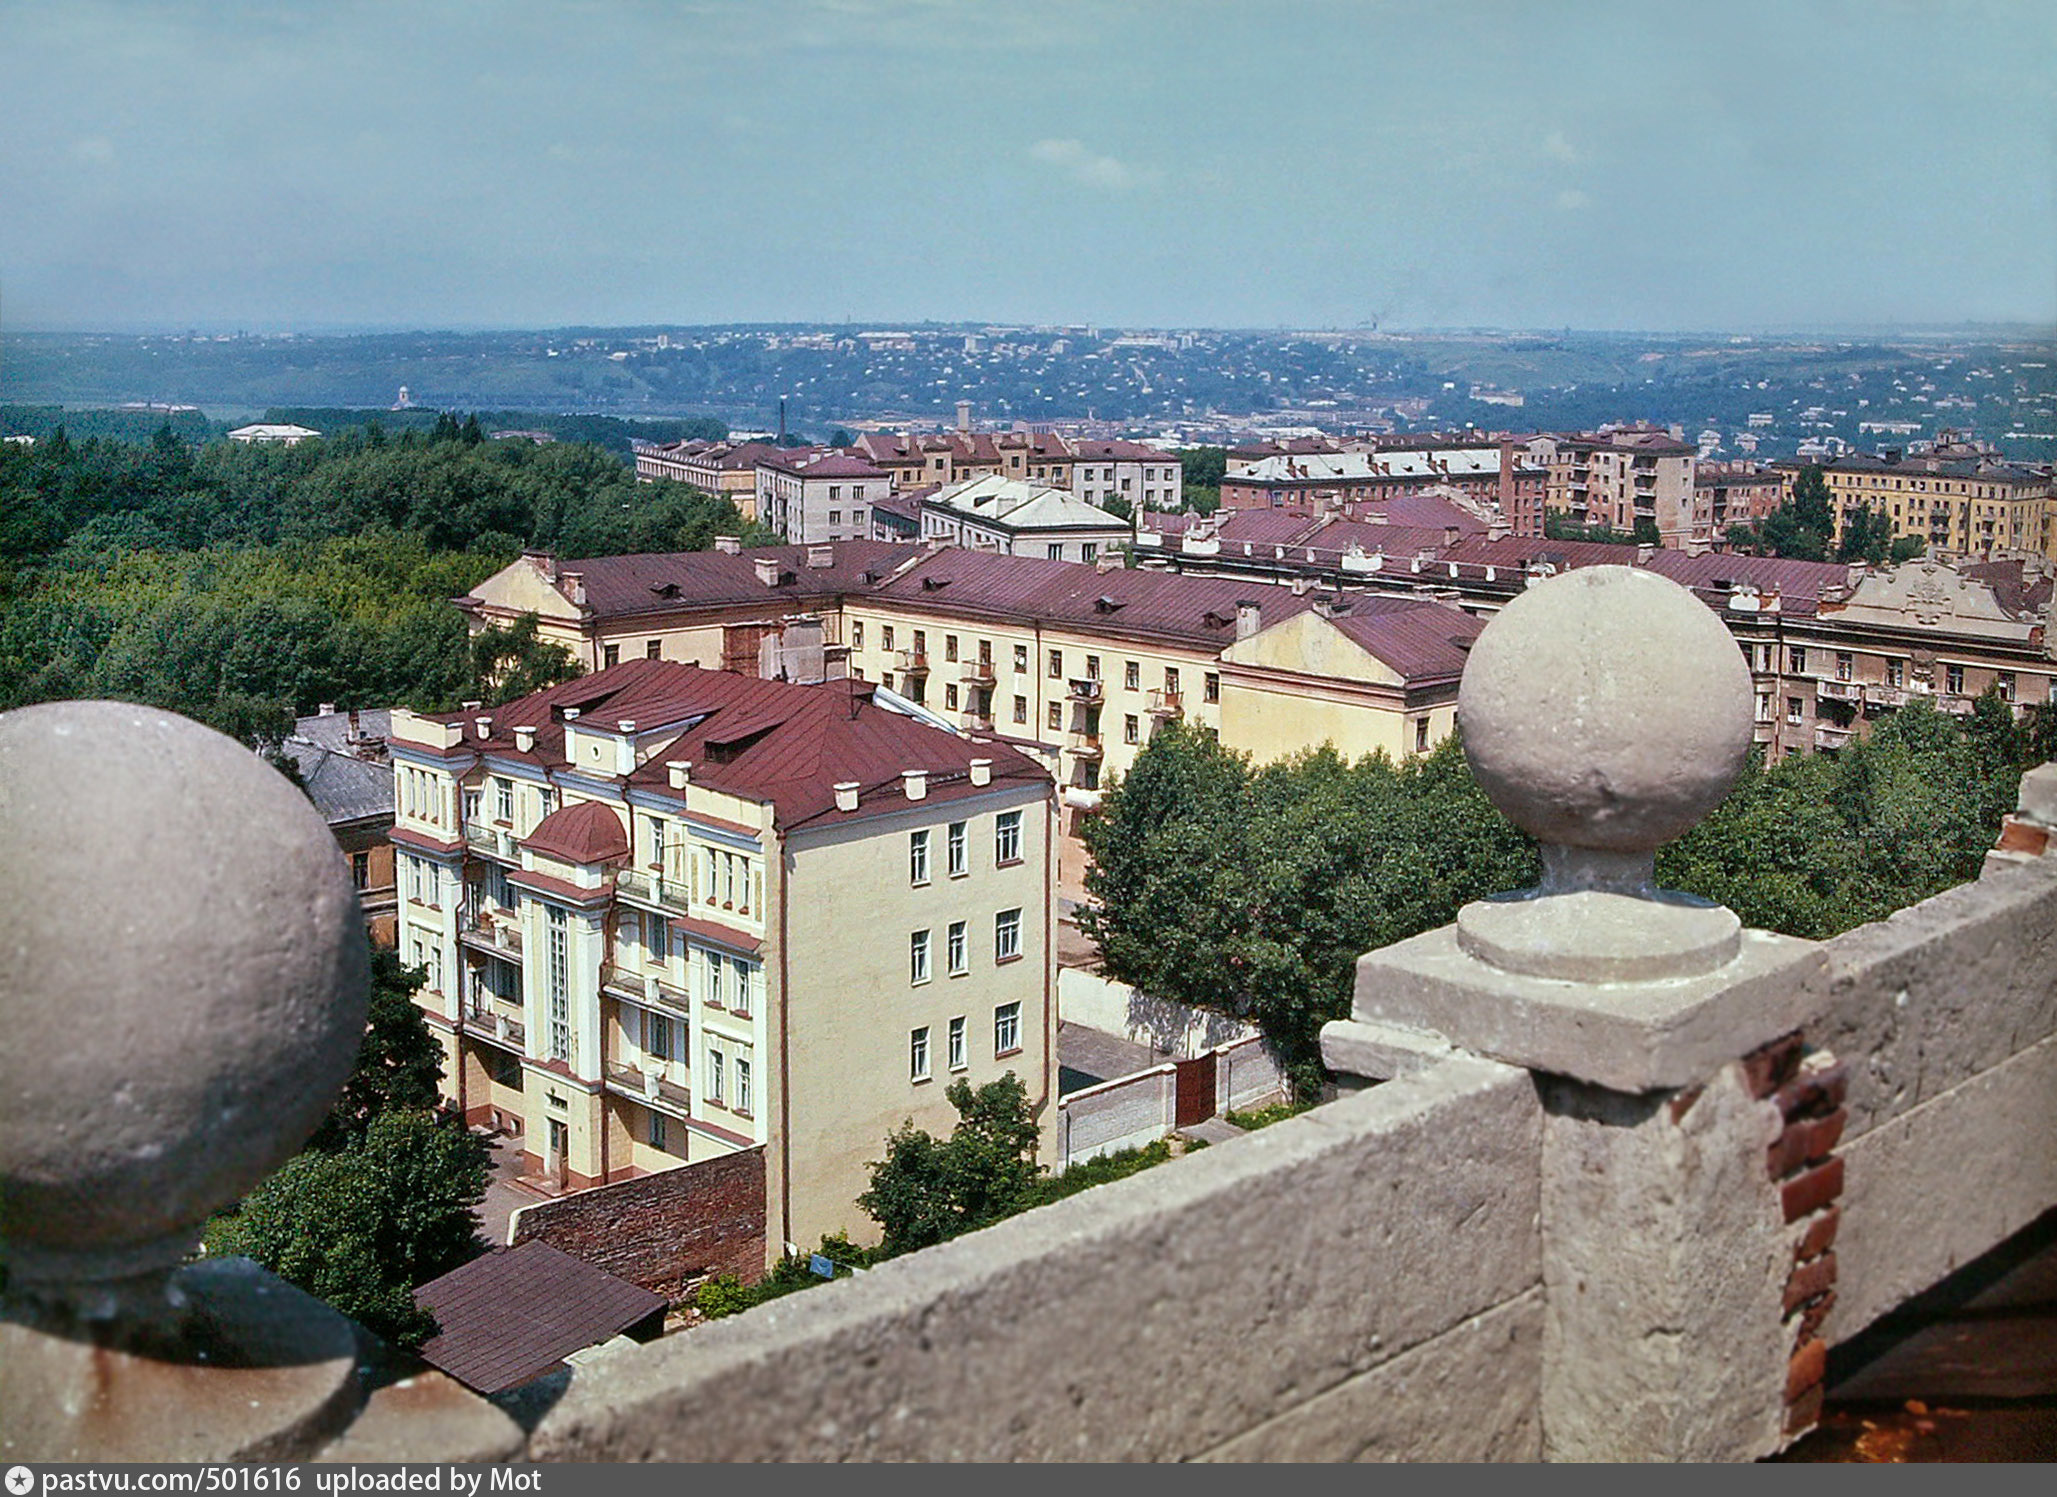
x: 982, y: 771
x: 768, y: 570
x: 917, y: 783
x: 1451, y: 535
x: 821, y: 556
x: 473, y: 706
x: 484, y: 724
x: 525, y: 739
x: 964, y: 415
x: 846, y: 795
x: 355, y: 730
x: 1110, y: 562
x: 328, y: 709
x: 1249, y: 617
x: 679, y: 772
x: 1300, y: 585
x: 545, y: 562
x: 628, y: 726
x: 729, y: 545
x: 1643, y: 555
x: 571, y: 714
x: 575, y: 588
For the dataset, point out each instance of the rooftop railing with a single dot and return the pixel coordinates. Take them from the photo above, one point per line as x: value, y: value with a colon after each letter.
x: 1610, y: 1176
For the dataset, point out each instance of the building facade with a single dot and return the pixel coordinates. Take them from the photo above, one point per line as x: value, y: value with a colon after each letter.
x: 667, y: 914
x: 811, y: 495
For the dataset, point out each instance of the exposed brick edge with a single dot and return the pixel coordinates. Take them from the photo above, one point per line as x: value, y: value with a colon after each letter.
x: 1808, y: 1087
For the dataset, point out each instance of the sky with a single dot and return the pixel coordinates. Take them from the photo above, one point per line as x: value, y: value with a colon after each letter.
x: 1648, y: 165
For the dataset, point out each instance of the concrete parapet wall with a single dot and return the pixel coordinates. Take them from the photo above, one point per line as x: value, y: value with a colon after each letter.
x: 1945, y: 1015
x: 1358, y: 1255
x: 1129, y: 1112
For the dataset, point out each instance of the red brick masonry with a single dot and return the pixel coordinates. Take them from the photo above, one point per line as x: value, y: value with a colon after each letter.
x: 1808, y: 1087
x: 668, y: 1232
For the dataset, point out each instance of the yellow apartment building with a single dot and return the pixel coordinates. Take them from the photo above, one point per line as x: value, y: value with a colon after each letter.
x: 669, y: 913
x: 1973, y: 505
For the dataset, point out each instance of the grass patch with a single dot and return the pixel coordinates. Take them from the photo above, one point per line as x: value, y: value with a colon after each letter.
x: 1264, y: 1117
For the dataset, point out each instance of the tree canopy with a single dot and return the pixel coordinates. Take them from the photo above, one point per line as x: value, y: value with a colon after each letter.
x: 927, y: 1189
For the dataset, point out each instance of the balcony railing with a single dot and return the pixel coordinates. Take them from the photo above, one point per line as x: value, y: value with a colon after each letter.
x: 1164, y: 703
x: 650, y: 1088
x: 913, y: 662
x: 975, y: 722
x: 496, y: 931
x: 491, y: 1020
x: 654, y: 886
x: 1085, y: 745
x: 1086, y: 689
x: 1839, y: 691
x: 979, y: 672
x: 493, y: 841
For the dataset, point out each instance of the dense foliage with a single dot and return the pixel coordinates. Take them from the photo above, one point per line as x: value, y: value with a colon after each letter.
x: 927, y: 1189
x: 1252, y: 890
x: 1804, y: 529
x: 245, y: 585
x: 382, y: 1199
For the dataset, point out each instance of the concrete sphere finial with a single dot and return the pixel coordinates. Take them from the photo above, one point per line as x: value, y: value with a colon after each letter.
x: 183, y: 977
x: 1606, y: 709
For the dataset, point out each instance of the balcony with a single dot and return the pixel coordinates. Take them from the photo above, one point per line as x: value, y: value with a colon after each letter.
x: 494, y: 1020
x: 1086, y: 689
x: 1167, y: 704
x: 493, y: 930
x: 979, y: 673
x: 493, y: 841
x: 1839, y: 691
x: 1828, y: 736
x: 1084, y: 745
x: 653, y: 886
x: 975, y: 722
x: 912, y: 662
x: 648, y: 1087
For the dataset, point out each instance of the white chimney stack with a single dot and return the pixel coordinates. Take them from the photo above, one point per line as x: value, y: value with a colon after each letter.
x: 917, y: 782
x: 575, y: 588
x: 846, y: 795
x: 525, y: 739
x: 484, y: 725
x: 768, y: 570
x: 982, y: 771
x: 679, y: 772
x: 729, y: 545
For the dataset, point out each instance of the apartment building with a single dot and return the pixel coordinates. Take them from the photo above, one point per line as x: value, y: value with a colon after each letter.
x: 1615, y: 478
x: 1726, y: 494
x: 1139, y: 476
x: 341, y: 760
x: 728, y: 469
x: 810, y: 494
x: 1972, y: 504
x: 1500, y: 476
x: 668, y: 914
x: 1094, y: 470
x: 1019, y: 519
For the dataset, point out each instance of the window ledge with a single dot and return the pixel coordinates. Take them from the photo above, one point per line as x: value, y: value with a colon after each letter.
x: 1002, y: 961
x: 1008, y: 862
x: 1003, y: 1054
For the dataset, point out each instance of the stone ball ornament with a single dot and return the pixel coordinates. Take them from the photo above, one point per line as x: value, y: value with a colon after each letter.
x: 1607, y: 709
x: 183, y: 984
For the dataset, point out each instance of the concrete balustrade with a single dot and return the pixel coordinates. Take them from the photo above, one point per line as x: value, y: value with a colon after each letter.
x: 1614, y: 1175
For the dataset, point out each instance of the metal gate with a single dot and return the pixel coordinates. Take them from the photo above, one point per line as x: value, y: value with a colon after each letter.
x: 1193, y: 1100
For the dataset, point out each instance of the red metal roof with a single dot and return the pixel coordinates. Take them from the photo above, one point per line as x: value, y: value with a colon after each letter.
x: 657, y: 582
x: 583, y: 832
x: 518, y: 1312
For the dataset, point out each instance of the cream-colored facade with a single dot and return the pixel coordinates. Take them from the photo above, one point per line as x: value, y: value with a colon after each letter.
x: 704, y: 981
x: 1303, y: 681
x: 1970, y: 506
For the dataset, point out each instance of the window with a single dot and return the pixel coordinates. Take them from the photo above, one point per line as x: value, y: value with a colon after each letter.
x: 715, y: 1089
x: 1088, y: 551
x: 654, y: 650
x: 743, y: 1088
x: 1131, y: 730
x: 1092, y: 667
x: 657, y: 1036
x: 610, y: 655
x: 1021, y: 709
x: 657, y: 1130
x: 740, y: 1004
x: 1210, y: 687
x: 1055, y: 717
x: 2004, y: 681
x: 1007, y: 935
x: 1006, y: 1028
x: 918, y: 957
x: 956, y: 849
x: 960, y: 949
x: 1953, y: 679
x: 1056, y: 551
x: 360, y: 869
x: 656, y: 938
x: 656, y: 841
x: 857, y: 636
x: 1057, y: 665
x: 950, y: 648
x: 1171, y: 679
x: 921, y: 644
x: 558, y: 984
x: 1896, y: 673
x: 1021, y: 660
x: 1421, y: 735
x: 717, y: 991
x: 835, y: 517
x: 918, y: 857
x: 918, y: 1054
x: 885, y: 636
x: 1796, y: 710
x: 503, y: 800
x: 1844, y: 661
x: 950, y: 696
x: 1132, y: 676
x: 957, y: 1044
x: 1007, y: 837
x: 471, y: 805
x: 1764, y: 706
x: 1798, y: 657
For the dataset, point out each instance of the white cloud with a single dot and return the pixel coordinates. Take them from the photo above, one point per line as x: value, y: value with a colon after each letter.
x: 1571, y: 199
x: 1073, y: 159
x: 1556, y: 144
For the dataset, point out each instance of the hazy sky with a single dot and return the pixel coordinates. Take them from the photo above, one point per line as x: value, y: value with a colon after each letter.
x: 438, y: 163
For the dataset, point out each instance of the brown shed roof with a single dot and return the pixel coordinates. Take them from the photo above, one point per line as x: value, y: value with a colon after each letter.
x: 518, y: 1312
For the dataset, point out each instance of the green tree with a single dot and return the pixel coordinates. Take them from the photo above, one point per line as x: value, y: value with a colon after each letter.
x: 927, y: 1190
x: 1201, y: 470
x: 1867, y: 536
x: 1803, y: 527
x: 399, y: 1067
x: 364, y: 1226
